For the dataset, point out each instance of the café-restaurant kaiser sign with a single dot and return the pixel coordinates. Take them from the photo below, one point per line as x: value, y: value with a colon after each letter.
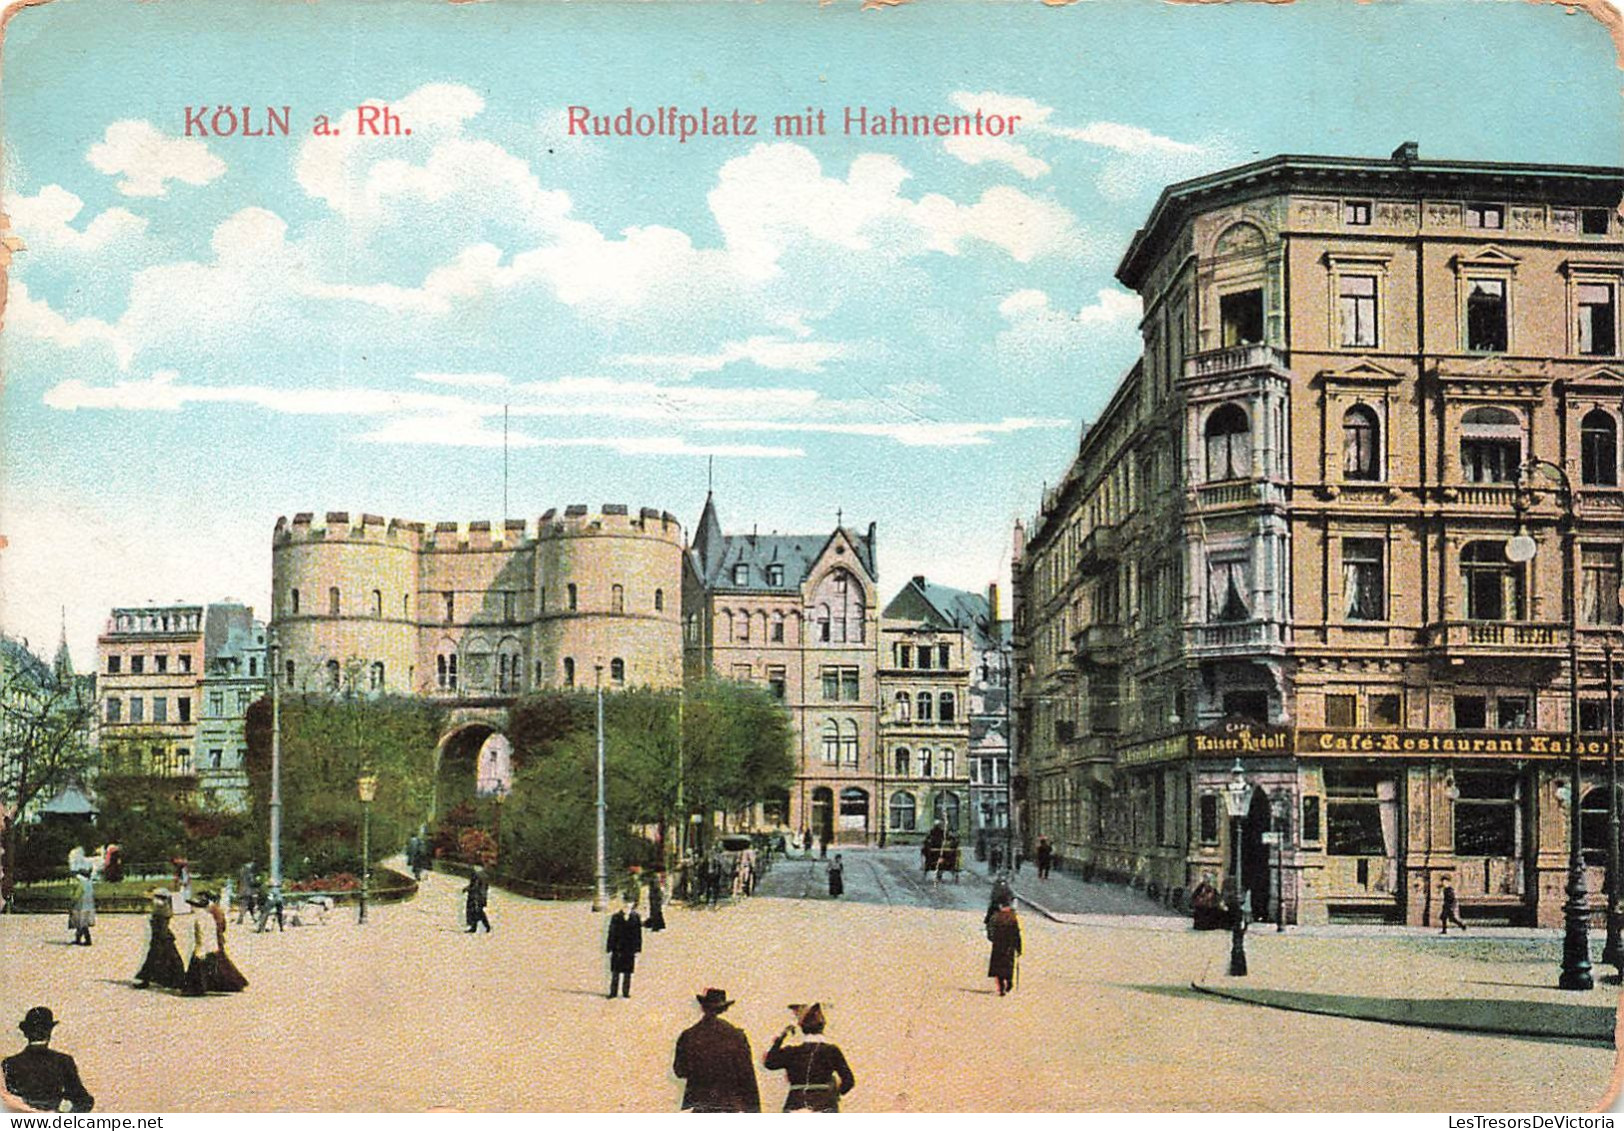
x: 1507, y: 744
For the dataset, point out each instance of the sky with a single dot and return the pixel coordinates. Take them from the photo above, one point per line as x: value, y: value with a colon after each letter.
x: 207, y: 332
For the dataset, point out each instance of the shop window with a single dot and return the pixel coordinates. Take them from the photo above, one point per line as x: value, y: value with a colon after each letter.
x: 1339, y: 711
x: 1599, y: 585
x: 1361, y: 444
x: 1485, y: 814
x: 1598, y: 449
x: 1356, y: 823
x: 1229, y: 444
x: 1598, y: 319
x: 1493, y: 586
x: 1207, y: 818
x: 1241, y: 314
x: 1486, y: 330
x: 1471, y: 712
x: 1363, y: 591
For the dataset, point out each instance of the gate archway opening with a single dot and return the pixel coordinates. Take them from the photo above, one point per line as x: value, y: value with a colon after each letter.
x: 473, y: 774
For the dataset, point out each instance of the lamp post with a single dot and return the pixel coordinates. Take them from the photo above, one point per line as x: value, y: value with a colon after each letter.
x: 1613, y: 952
x: 1277, y: 810
x: 367, y: 787
x: 274, y: 896
x: 1576, y: 934
x: 600, y: 898
x: 1237, y: 794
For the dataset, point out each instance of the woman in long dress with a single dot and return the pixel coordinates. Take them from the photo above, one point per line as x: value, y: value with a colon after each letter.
x: 163, y: 965
x: 83, y: 915
x: 1004, y: 932
x: 211, y: 971
x: 656, y: 904
x: 227, y: 979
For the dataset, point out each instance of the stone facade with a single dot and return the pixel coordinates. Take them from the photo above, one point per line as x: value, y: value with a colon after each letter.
x: 1285, y: 540
x: 470, y: 612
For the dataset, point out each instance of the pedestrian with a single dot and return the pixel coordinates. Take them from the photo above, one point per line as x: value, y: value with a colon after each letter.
x: 478, y: 892
x: 40, y: 1076
x: 182, y: 895
x: 83, y: 915
x: 211, y: 969
x: 1045, y: 857
x: 113, y: 864
x: 948, y: 859
x: 823, y: 846
x: 248, y: 886
x: 1002, y: 896
x: 837, y: 877
x: 931, y: 851
x: 625, y: 943
x: 714, y: 1058
x: 816, y: 1068
x: 414, y: 854
x: 656, y: 902
x: 1451, y: 913
x: 270, y: 904
x: 163, y: 964
x: 995, y: 858
x: 1004, y: 932
x: 806, y: 841
x: 1020, y: 859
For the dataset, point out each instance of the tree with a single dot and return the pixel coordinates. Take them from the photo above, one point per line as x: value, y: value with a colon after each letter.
x: 44, y: 738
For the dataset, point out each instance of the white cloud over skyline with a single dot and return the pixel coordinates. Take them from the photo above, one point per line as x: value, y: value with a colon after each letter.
x: 146, y: 159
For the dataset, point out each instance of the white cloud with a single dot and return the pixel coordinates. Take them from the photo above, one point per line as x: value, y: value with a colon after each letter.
x: 765, y: 352
x: 1024, y: 226
x: 1035, y: 119
x: 29, y: 317
x: 45, y: 222
x: 148, y: 159
x: 1110, y: 305
x: 996, y: 150
x: 1040, y: 333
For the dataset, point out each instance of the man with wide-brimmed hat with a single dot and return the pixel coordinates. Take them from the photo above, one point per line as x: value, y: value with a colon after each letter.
x: 39, y: 1076
x: 714, y: 1058
x: 817, y: 1069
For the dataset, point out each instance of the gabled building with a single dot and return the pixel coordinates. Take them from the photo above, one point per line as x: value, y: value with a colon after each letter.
x: 798, y: 613
x: 924, y: 686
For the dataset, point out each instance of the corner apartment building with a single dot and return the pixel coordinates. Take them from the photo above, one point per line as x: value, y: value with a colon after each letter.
x: 1284, y: 544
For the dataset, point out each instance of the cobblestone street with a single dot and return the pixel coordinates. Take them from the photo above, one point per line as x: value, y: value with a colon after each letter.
x: 409, y: 1013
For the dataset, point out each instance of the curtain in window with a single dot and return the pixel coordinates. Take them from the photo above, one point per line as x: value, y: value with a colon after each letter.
x: 1387, y: 807
x: 1228, y: 587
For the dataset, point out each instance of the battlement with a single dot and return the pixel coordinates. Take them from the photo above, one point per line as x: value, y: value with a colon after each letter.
x: 577, y: 520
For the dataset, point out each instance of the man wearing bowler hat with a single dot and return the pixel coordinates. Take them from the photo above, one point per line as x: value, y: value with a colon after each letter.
x: 40, y: 1077
x: 714, y: 1058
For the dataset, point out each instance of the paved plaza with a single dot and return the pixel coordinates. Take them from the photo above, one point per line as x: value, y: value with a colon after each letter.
x: 408, y: 1012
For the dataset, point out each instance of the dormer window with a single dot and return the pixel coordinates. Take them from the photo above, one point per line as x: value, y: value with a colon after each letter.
x: 741, y: 574
x: 775, y: 574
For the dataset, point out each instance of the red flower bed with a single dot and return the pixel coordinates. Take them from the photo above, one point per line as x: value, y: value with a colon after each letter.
x: 343, y: 881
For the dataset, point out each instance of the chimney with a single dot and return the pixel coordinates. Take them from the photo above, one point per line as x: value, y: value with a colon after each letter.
x: 919, y: 580
x: 1407, y: 154
x: 992, y: 602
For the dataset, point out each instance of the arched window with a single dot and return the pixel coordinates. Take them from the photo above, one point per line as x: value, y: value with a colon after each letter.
x: 831, y: 742
x: 572, y: 597
x: 902, y: 765
x: 445, y: 668
x: 741, y: 629
x: 821, y: 616
x: 904, y: 812
x: 777, y: 628
x: 904, y: 707
x: 617, y: 598
x: 377, y: 602
x: 1493, y: 586
x: 1361, y: 444
x: 617, y: 672
x: 375, y: 680
x: 1598, y: 447
x: 1229, y: 444
x: 569, y: 671
x: 332, y: 675
x: 848, y: 743
x: 294, y: 600
x: 1490, y: 445
x: 840, y: 609
x: 926, y: 763
x: 947, y: 810
x: 509, y: 666
x: 659, y: 600
x: 946, y: 707
x: 925, y: 707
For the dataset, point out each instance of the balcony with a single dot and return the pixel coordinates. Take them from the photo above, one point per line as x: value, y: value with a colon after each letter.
x: 1098, y: 550
x: 1098, y: 645
x: 1237, y: 638
x: 1239, y: 494
x: 1500, y: 496
x: 1233, y: 360
x: 1494, y: 638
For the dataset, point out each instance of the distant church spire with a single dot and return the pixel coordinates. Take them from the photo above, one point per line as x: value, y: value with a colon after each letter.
x: 63, y: 667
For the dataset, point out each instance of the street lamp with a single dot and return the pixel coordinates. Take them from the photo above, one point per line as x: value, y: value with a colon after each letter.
x: 274, y: 896
x: 1237, y: 795
x: 600, y: 898
x: 1576, y: 934
x: 367, y: 786
x: 1277, y: 809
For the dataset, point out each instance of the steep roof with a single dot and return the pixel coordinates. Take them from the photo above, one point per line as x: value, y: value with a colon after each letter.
x: 948, y: 608
x: 716, y: 556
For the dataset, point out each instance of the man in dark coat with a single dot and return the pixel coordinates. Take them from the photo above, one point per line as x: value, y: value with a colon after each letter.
x: 714, y: 1058
x: 625, y: 943
x: 248, y: 889
x: 1045, y: 857
x: 40, y: 1077
x: 931, y: 850
x: 817, y: 1069
x: 478, y: 892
